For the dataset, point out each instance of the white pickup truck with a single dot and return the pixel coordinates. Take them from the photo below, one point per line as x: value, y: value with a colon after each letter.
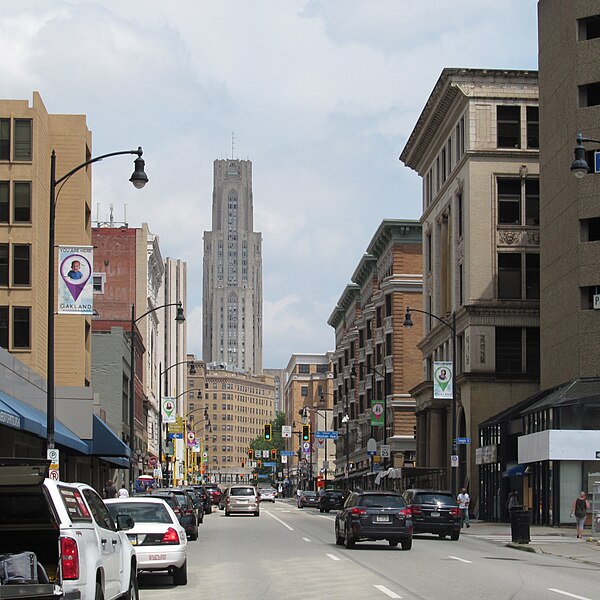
x: 85, y: 554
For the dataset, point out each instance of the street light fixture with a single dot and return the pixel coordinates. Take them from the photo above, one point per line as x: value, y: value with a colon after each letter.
x: 580, y: 166
x: 452, y: 327
x: 179, y: 318
x: 139, y: 180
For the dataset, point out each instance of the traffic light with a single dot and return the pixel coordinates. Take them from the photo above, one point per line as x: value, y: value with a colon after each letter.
x: 250, y: 453
x: 273, y: 454
x: 243, y: 464
x: 259, y: 464
x: 306, y: 433
x: 268, y: 432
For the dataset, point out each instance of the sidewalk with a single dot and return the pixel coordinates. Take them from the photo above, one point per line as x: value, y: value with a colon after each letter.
x: 557, y: 541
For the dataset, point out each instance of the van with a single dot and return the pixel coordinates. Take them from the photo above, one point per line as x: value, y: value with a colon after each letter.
x: 242, y: 499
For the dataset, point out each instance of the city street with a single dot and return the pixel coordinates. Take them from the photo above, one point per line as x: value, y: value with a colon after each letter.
x: 291, y: 553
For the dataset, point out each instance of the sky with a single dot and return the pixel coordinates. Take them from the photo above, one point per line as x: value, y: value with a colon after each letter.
x: 321, y: 96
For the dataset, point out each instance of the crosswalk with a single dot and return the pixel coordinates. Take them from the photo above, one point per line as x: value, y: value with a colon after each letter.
x: 535, y: 539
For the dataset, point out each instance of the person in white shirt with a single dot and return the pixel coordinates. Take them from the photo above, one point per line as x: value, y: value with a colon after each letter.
x: 463, y: 500
x: 123, y: 493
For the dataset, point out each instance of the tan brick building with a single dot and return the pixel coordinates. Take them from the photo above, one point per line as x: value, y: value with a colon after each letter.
x: 28, y: 135
x: 475, y: 146
x: 376, y: 357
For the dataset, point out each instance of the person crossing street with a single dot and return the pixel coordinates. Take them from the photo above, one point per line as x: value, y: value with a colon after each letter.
x: 463, y: 500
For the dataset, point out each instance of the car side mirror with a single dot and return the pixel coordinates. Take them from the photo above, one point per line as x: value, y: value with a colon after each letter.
x: 124, y: 522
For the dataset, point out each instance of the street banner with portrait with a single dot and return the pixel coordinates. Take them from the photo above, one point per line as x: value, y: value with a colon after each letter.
x: 75, y: 281
x: 168, y: 410
x: 442, y: 380
x: 377, y: 413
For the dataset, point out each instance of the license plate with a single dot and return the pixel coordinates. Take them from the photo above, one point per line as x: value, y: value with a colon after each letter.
x: 157, y: 557
x: 132, y: 538
x: 382, y: 518
x: 435, y: 514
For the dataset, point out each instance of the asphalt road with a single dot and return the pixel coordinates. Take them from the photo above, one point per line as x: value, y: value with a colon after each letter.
x: 288, y: 553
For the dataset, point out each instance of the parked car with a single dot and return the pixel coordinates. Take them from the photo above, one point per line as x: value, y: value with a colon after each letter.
x: 206, y: 498
x: 242, y: 499
x: 221, y: 503
x: 267, y: 495
x: 84, y: 552
x: 433, y: 511
x: 158, y: 539
x: 330, y: 499
x: 374, y: 516
x: 214, y: 491
x: 187, y: 513
x: 307, y: 498
x: 197, y: 502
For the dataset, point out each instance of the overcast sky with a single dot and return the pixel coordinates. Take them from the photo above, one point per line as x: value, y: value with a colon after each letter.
x: 321, y: 96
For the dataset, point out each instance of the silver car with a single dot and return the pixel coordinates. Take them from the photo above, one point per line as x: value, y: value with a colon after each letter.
x: 242, y: 499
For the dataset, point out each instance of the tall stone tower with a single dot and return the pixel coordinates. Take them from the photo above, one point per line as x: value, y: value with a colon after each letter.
x: 232, y: 285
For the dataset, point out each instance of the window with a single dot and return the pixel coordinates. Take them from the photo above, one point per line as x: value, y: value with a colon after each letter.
x: 303, y: 368
x: 532, y: 201
x: 21, y: 202
x: 22, y: 147
x: 21, y: 274
x: 4, y: 264
x: 589, y: 28
x: 509, y: 126
x: 532, y: 351
x: 532, y: 276
x: 322, y: 368
x: 98, y: 281
x: 4, y: 139
x: 533, y: 127
x: 589, y: 95
x: 509, y: 275
x: 304, y: 390
x: 21, y: 335
x: 459, y: 204
x: 590, y: 229
x: 4, y: 327
x: 4, y: 201
x: 509, y: 201
x: 508, y: 350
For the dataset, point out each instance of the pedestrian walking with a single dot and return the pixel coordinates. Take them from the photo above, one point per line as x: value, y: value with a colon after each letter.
x: 579, y: 510
x: 110, y: 491
x: 463, y: 500
x: 123, y: 493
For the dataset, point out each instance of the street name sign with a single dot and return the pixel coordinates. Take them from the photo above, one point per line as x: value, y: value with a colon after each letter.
x: 463, y: 440
x: 326, y: 435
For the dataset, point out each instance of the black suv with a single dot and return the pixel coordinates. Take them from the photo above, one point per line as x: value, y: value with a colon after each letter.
x: 374, y: 516
x: 434, y: 511
x: 206, y: 498
x: 331, y: 499
x: 187, y: 515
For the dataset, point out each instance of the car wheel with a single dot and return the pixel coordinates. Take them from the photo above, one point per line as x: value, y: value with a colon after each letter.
x: 326, y: 510
x: 454, y: 537
x: 201, y: 519
x: 133, y: 592
x: 180, y: 574
x: 99, y: 591
x: 194, y: 535
x: 339, y: 540
x: 349, y: 541
x: 256, y: 514
x: 393, y: 543
x: 321, y: 510
x: 407, y: 544
x: 442, y: 536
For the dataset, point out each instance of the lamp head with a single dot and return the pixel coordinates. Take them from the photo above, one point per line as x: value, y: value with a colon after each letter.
x: 407, y: 319
x: 579, y: 166
x: 180, y: 317
x: 139, y: 177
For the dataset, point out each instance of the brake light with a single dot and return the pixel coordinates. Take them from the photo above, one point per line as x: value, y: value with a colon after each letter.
x: 69, y: 558
x: 358, y: 511
x: 227, y: 500
x: 406, y: 512
x: 170, y: 537
x: 177, y: 510
x: 455, y: 512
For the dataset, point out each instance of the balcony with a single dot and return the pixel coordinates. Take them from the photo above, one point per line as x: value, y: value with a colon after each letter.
x: 368, y: 381
x: 361, y: 354
x: 379, y: 335
x: 361, y: 387
x: 388, y: 326
x: 389, y: 363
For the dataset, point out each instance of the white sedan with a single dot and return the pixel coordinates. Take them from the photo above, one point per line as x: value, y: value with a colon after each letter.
x: 159, y: 541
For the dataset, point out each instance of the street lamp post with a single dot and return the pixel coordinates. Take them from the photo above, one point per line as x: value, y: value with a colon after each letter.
x: 580, y: 166
x: 304, y: 414
x: 452, y: 327
x: 385, y: 404
x: 179, y: 318
x: 139, y: 180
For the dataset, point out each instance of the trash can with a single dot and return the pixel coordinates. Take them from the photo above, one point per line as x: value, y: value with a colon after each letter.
x: 519, y: 526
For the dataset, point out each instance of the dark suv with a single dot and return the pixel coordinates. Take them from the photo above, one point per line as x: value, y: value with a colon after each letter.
x: 188, y: 517
x: 374, y: 516
x: 434, y: 511
x: 331, y: 499
x: 206, y: 498
x: 214, y: 491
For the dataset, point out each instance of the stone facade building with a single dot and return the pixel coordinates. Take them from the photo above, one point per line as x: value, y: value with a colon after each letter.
x: 375, y: 357
x: 475, y: 146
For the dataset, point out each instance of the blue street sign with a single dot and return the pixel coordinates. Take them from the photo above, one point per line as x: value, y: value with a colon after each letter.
x: 596, y: 162
x: 326, y: 435
x: 287, y: 453
x: 269, y: 464
x: 465, y: 440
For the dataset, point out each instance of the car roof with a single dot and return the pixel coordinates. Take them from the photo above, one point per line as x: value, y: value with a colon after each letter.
x: 428, y: 491
x: 131, y: 499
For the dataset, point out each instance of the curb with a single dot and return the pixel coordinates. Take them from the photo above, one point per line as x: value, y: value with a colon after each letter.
x: 521, y: 547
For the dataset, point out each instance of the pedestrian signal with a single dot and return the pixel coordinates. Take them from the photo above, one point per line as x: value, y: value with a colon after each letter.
x: 306, y: 433
x: 268, y: 432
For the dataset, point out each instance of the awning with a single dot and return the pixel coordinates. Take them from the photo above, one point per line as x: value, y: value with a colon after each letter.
x: 105, y: 443
x: 34, y: 421
x: 515, y: 471
x: 117, y: 461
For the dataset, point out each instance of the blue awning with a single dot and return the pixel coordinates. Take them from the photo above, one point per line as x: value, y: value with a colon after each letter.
x: 105, y: 443
x: 515, y: 471
x: 34, y: 421
x: 117, y: 461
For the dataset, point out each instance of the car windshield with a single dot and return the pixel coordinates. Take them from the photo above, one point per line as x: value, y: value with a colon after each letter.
x: 433, y: 498
x: 309, y: 494
x: 381, y: 501
x: 181, y: 499
x: 241, y: 491
x: 142, y: 512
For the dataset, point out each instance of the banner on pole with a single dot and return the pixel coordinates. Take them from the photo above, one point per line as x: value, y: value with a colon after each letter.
x: 377, y: 413
x: 442, y: 380
x: 75, y: 289
x: 168, y: 410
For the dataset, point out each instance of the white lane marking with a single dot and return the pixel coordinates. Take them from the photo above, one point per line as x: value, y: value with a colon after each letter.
x: 286, y: 511
x: 333, y: 557
x: 461, y: 559
x: 306, y: 539
x: 568, y: 594
x: 391, y: 594
x: 328, y: 518
x: 278, y: 519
